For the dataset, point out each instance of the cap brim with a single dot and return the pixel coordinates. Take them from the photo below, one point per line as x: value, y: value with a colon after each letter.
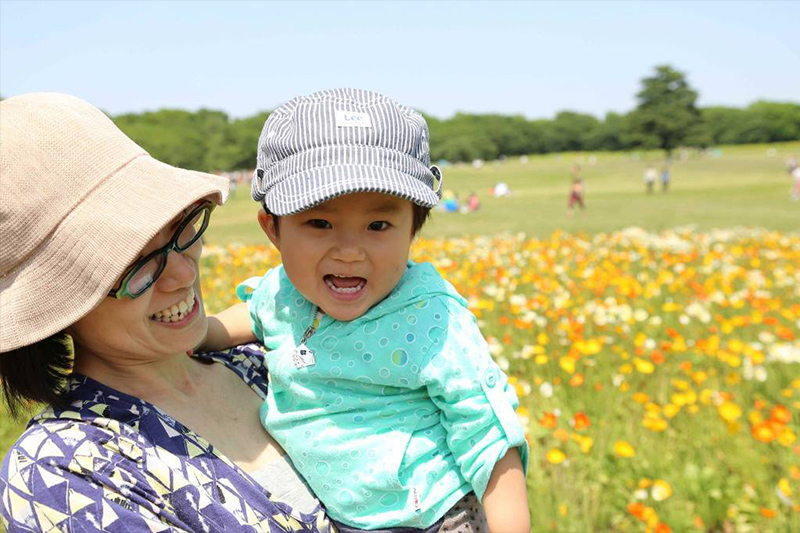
x: 79, y: 263
x: 304, y: 190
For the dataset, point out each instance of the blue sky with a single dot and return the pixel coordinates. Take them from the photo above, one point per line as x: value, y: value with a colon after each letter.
x: 530, y: 58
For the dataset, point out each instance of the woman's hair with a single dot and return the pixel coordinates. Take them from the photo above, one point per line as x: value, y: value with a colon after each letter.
x: 37, y: 373
x: 419, y: 213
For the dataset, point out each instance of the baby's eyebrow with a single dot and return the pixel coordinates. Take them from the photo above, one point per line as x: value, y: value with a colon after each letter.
x: 384, y: 207
x: 387, y: 207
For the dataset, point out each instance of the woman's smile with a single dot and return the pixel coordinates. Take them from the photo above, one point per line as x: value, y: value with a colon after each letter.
x: 180, y: 313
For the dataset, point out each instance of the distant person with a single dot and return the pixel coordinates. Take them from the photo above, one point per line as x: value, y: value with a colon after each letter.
x: 233, y: 180
x: 451, y: 205
x: 665, y: 179
x: 473, y: 202
x: 650, y: 178
x: 501, y: 189
x: 576, y: 193
x: 449, y: 202
x: 792, y: 169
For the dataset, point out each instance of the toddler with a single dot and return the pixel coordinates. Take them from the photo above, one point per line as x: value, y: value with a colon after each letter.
x: 382, y: 389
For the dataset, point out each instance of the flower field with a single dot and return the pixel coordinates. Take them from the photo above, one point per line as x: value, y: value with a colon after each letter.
x: 659, y: 374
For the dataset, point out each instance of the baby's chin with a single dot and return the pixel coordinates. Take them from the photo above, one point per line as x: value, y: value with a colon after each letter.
x: 345, y: 315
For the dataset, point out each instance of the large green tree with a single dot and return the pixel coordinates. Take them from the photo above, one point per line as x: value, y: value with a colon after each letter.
x: 574, y: 130
x: 666, y: 114
x: 666, y: 117
x: 609, y: 134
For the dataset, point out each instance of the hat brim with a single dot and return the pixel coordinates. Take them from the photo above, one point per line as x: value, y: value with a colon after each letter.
x: 78, y: 264
x: 307, y: 189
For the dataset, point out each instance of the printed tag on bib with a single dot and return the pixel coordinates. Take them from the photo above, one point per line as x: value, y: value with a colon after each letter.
x: 303, y: 357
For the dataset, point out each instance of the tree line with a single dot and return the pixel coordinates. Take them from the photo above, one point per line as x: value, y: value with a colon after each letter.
x: 666, y: 117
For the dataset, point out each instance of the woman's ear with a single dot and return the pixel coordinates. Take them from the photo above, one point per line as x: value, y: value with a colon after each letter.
x: 268, y: 226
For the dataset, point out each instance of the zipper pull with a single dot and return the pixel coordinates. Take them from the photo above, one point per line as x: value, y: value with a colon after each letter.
x: 302, y: 356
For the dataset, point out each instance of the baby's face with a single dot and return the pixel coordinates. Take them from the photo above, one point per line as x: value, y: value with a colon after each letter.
x: 346, y: 254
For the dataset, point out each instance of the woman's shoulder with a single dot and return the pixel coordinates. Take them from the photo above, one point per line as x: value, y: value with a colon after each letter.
x: 54, y: 441
x: 35, y: 439
x: 61, y: 468
x: 79, y: 436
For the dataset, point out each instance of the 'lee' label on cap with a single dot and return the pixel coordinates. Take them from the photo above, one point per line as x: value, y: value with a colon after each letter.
x: 352, y: 119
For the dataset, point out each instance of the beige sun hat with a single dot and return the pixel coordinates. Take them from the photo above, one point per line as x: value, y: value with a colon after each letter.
x: 78, y: 201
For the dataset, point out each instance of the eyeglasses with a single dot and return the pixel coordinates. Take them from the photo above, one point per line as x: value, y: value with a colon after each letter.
x: 146, y: 271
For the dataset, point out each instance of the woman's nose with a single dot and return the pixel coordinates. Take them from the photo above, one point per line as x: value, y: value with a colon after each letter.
x: 180, y: 272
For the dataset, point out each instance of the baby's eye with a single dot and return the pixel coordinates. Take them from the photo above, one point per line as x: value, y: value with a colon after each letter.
x: 319, y: 223
x: 379, y: 225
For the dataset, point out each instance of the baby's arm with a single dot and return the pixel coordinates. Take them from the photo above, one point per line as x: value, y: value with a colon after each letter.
x: 228, y: 328
x: 505, y: 500
x: 477, y: 405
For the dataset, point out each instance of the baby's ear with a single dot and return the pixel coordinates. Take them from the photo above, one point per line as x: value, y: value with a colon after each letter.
x: 269, y: 227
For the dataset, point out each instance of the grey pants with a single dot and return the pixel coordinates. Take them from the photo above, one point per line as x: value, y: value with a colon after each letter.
x: 466, y: 516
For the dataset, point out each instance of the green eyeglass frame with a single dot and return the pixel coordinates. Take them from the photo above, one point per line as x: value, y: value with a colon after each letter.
x: 156, y: 261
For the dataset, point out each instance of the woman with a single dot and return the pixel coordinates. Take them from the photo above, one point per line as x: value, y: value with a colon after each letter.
x: 100, y: 252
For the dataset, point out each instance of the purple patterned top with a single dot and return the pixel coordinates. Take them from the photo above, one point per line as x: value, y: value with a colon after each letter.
x: 112, y: 462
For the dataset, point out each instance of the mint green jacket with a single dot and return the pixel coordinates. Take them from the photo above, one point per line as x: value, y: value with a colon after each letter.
x: 403, y: 411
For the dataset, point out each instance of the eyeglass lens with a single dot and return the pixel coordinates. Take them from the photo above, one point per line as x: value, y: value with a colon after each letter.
x: 192, y: 231
x: 149, y: 271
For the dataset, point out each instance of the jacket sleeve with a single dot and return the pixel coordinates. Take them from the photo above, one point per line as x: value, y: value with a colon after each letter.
x: 246, y: 292
x: 66, y: 480
x: 477, y: 403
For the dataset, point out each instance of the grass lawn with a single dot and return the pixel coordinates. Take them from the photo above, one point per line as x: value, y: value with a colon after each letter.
x: 741, y: 186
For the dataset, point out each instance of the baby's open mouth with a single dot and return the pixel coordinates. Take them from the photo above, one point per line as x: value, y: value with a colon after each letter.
x: 344, y: 284
x: 178, y: 311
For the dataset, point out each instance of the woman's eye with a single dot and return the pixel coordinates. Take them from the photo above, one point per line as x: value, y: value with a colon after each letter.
x: 379, y: 225
x: 318, y: 223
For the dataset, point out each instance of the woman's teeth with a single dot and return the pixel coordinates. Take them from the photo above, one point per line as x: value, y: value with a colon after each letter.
x: 176, y: 312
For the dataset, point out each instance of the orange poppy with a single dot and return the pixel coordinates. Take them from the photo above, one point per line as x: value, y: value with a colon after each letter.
x: 581, y: 421
x: 548, y: 420
x: 780, y: 414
